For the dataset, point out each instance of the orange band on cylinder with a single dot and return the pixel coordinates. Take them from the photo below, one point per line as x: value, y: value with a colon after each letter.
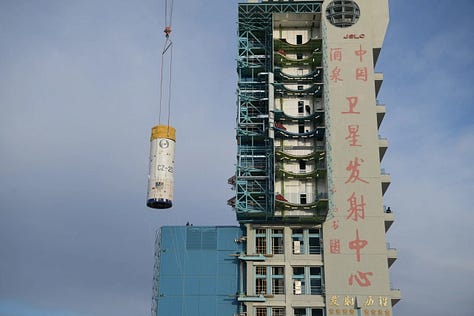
x: 163, y: 131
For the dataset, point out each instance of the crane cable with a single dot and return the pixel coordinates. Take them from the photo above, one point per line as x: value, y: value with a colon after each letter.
x: 168, y: 45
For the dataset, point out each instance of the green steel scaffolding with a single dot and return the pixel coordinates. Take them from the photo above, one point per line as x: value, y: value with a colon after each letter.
x: 260, y: 59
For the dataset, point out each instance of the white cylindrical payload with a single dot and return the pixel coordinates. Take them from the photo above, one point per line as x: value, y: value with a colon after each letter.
x: 161, y: 175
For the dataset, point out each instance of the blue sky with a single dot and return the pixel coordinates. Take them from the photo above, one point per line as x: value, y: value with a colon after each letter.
x: 79, y: 94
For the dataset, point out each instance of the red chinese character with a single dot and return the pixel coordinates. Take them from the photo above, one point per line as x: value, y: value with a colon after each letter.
x: 336, y: 74
x: 361, y: 278
x: 357, y: 245
x: 335, y: 54
x: 335, y: 224
x: 356, y: 210
x: 360, y: 52
x: 352, y: 104
x: 335, y: 246
x: 353, y: 136
x: 361, y: 73
x: 353, y: 167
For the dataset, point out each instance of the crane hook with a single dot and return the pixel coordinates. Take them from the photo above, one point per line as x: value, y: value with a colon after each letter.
x: 167, y: 31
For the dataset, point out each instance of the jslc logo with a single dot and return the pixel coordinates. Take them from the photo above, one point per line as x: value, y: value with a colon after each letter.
x: 354, y: 36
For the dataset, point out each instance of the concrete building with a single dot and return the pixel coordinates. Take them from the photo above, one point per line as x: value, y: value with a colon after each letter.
x: 308, y: 184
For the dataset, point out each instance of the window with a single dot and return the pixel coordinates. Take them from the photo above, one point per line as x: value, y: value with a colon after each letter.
x: 302, y: 165
x: 307, y: 280
x: 300, y: 107
x: 277, y: 241
x: 299, y: 311
x: 298, y: 281
x: 299, y: 39
x: 314, y: 242
x: 307, y: 311
x: 261, y: 311
x: 315, y: 280
x: 316, y: 312
x: 265, y: 275
x: 299, y: 55
x: 306, y: 240
x: 300, y: 88
x: 260, y: 280
x: 301, y: 128
x: 269, y: 241
x: 303, y: 198
x: 278, y: 280
x: 278, y: 311
x: 261, y: 241
x: 270, y: 311
x: 298, y: 242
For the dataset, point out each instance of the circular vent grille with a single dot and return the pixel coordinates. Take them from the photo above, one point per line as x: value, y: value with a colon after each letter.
x: 342, y: 13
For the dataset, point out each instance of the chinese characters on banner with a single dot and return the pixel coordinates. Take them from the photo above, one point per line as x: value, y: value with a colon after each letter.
x: 370, y: 305
x: 355, y: 180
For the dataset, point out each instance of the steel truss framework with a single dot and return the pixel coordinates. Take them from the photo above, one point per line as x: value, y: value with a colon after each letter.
x: 255, y: 170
